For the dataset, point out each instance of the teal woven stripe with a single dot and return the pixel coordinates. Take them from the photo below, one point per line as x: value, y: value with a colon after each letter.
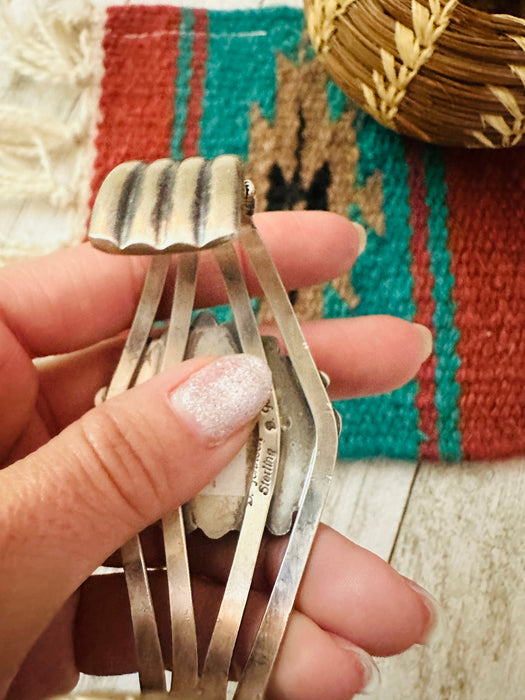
x: 242, y: 72
x: 446, y: 334
x: 387, y: 424
x: 182, y: 82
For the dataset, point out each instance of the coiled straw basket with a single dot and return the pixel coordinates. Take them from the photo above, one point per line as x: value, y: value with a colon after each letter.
x: 446, y: 71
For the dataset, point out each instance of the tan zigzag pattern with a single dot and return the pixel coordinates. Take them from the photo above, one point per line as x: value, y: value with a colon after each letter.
x: 415, y: 45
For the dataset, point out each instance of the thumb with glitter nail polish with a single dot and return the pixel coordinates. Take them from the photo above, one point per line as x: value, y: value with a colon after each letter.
x: 113, y: 472
x: 223, y: 396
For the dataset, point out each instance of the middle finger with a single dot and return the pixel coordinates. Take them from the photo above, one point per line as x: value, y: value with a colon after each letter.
x: 79, y: 296
x: 345, y: 589
x: 362, y: 356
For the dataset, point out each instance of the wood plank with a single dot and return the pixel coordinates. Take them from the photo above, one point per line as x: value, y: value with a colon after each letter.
x: 367, y: 500
x: 462, y: 539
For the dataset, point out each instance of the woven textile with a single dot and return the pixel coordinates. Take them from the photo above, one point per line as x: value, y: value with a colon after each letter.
x: 445, y: 232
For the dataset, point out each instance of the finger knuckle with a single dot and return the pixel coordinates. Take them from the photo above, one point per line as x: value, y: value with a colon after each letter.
x: 122, y: 455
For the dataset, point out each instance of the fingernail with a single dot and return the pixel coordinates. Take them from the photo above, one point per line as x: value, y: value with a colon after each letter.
x: 435, y: 621
x: 223, y: 396
x: 426, y: 337
x: 361, y: 232
x: 371, y: 674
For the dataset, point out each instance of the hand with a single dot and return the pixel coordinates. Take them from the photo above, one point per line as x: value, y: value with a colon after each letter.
x: 79, y: 481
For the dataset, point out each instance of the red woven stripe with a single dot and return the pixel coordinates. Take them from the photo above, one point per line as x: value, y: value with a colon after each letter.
x: 422, y: 294
x: 198, y: 72
x: 487, y: 239
x: 136, y: 104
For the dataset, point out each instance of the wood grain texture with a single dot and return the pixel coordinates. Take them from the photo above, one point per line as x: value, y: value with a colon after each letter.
x: 462, y: 539
x: 367, y: 499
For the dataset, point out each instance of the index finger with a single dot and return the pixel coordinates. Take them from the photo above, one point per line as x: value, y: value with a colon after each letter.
x: 79, y: 296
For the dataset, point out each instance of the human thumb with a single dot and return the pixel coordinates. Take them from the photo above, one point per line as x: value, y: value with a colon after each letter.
x: 70, y: 504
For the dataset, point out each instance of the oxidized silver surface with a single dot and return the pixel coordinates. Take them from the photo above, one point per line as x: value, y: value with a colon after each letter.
x: 280, y: 480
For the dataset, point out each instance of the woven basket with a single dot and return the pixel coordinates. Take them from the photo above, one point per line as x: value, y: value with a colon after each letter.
x: 444, y: 71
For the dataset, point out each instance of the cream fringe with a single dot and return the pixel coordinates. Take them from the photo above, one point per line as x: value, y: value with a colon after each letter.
x: 22, y: 129
x: 23, y: 180
x: 59, y: 49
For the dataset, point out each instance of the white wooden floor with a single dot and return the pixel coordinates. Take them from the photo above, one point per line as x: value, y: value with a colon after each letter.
x: 458, y: 530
